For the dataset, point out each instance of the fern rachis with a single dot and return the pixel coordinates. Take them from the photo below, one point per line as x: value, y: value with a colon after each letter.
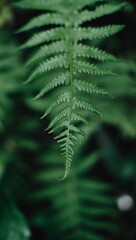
x: 66, y: 52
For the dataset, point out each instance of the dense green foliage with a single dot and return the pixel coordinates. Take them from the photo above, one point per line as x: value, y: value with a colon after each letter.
x: 15, y: 227
x: 87, y: 205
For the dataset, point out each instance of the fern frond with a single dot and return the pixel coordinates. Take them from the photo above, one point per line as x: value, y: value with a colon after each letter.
x: 56, y: 62
x: 77, y: 130
x: 40, y: 5
x: 62, y: 125
x: 89, y: 87
x: 81, y: 204
x: 91, y: 33
x: 61, y: 134
x: 59, y: 117
x: 45, y: 36
x: 61, y: 50
x: 72, y: 129
x: 67, y: 153
x: 47, y: 50
x: 77, y: 117
x: 62, y: 79
x: 81, y: 4
x: 42, y: 20
x: 100, y: 11
x: 85, y: 67
x: 64, y: 97
x: 81, y: 50
x: 84, y: 105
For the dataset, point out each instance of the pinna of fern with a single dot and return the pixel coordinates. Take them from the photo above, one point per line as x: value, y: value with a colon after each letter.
x: 62, y: 47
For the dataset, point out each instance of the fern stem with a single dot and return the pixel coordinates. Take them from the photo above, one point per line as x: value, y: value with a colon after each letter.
x: 71, y: 85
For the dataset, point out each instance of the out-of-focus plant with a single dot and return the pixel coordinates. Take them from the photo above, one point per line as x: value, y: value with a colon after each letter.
x: 10, y: 73
x: 12, y: 223
x: 5, y: 13
x: 79, y: 208
x: 120, y: 111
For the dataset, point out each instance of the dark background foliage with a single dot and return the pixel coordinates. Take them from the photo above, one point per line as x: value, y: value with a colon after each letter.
x: 29, y: 159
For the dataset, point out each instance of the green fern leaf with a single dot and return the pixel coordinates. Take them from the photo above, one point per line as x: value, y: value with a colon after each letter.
x: 47, y: 50
x: 61, y: 51
x: 85, y: 67
x: 77, y: 117
x: 84, y: 105
x: 97, y: 32
x: 62, y: 79
x: 64, y: 97
x: 40, y: 5
x: 89, y: 87
x: 100, y: 11
x: 81, y: 50
x: 62, y: 125
x: 67, y: 153
x: 77, y: 130
x: 42, y: 20
x: 59, y: 117
x: 81, y: 4
x: 56, y: 62
x: 41, y: 37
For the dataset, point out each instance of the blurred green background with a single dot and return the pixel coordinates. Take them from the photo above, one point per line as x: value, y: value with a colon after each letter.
x: 98, y: 200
